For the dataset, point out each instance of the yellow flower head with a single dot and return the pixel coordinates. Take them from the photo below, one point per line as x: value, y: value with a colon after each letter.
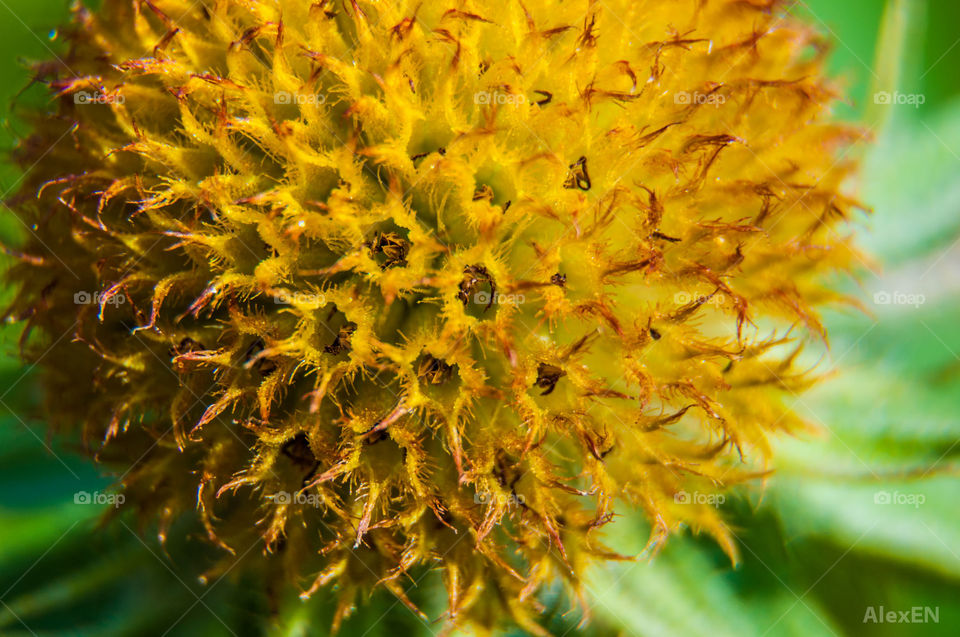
x: 389, y: 287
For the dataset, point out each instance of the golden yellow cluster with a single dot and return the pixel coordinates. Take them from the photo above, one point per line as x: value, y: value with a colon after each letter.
x: 388, y: 287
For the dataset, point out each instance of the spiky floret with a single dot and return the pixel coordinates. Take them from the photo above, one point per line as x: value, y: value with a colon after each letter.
x: 458, y: 276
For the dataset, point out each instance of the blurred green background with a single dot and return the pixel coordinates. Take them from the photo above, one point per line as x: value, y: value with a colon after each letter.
x: 858, y: 521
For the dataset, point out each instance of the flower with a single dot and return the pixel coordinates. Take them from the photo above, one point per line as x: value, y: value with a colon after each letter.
x: 431, y: 286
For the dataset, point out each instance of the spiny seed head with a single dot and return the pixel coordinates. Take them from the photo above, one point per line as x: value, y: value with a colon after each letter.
x: 470, y: 275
